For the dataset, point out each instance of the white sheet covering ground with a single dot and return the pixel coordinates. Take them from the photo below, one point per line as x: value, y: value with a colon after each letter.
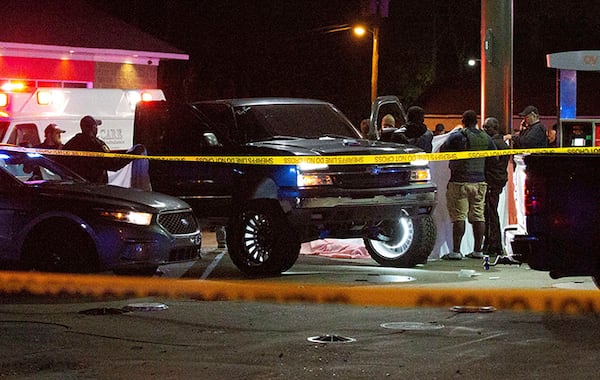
x: 336, y: 248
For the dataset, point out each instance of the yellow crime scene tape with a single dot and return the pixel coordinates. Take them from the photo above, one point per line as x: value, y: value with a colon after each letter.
x: 538, y: 300
x: 329, y: 160
x: 546, y: 300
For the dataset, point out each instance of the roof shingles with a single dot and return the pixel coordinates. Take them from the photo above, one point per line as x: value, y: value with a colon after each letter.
x: 73, y: 23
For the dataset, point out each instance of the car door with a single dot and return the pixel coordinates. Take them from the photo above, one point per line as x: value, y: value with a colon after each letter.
x: 382, y: 106
x: 8, y: 207
x: 171, y: 129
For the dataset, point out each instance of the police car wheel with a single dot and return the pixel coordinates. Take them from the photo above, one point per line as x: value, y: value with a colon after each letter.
x: 59, y: 246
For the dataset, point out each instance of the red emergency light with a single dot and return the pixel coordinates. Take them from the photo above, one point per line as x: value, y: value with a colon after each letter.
x: 3, y: 99
x: 13, y: 86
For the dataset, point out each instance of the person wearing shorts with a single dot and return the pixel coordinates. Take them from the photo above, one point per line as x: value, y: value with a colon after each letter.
x: 465, y: 195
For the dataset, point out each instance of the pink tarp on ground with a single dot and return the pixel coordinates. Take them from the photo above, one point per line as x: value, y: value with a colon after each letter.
x: 336, y: 248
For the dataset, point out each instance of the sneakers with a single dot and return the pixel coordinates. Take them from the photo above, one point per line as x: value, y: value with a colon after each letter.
x: 453, y: 256
x: 475, y: 255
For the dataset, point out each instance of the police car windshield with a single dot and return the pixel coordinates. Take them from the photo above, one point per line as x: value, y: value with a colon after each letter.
x: 262, y: 122
x: 34, y: 169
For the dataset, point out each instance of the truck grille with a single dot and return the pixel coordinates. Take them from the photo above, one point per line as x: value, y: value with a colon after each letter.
x: 373, y: 177
x: 178, y: 223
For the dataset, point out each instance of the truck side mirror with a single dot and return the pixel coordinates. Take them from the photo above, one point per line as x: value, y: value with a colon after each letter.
x: 210, y: 139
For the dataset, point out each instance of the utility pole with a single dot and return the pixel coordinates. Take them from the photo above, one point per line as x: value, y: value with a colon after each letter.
x: 497, y: 61
x: 375, y: 63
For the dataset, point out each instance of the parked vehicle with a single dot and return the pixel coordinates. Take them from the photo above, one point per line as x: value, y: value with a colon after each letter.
x: 562, y: 215
x: 53, y: 220
x: 270, y: 209
x: 25, y: 113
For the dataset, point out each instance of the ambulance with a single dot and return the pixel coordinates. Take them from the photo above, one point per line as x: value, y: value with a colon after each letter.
x: 25, y: 113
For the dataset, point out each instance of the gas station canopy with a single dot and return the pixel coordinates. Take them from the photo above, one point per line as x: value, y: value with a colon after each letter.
x: 583, y: 60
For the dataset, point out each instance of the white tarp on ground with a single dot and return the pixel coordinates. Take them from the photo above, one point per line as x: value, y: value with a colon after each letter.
x: 338, y: 248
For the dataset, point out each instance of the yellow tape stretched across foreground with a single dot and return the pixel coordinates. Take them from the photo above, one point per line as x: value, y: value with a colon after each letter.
x: 329, y: 160
x: 548, y: 300
x: 542, y: 300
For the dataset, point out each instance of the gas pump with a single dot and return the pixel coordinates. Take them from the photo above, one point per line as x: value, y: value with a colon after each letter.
x: 579, y: 132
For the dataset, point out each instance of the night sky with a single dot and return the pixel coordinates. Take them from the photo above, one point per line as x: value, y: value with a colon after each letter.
x: 244, y: 48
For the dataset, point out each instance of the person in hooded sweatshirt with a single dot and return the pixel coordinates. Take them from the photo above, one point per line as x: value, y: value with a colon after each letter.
x: 414, y: 132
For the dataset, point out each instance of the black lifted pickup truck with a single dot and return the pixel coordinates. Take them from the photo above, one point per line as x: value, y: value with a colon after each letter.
x: 562, y: 211
x: 269, y: 210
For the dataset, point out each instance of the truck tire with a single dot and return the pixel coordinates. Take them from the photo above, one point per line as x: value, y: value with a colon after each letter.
x: 411, y: 243
x: 260, y: 240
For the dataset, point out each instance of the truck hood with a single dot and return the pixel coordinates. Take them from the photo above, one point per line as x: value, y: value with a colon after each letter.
x: 328, y: 146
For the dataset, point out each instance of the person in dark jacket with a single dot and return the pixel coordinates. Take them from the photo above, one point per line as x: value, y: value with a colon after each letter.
x: 414, y: 132
x: 52, y: 138
x: 496, y: 176
x: 533, y: 132
x: 465, y: 194
x: 93, y: 169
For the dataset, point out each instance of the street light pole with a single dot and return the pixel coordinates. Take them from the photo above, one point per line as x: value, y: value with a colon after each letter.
x: 360, y: 30
x: 375, y: 63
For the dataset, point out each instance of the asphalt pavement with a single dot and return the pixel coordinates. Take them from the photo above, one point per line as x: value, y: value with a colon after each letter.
x: 70, y: 337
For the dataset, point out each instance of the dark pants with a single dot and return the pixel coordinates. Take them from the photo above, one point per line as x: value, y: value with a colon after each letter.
x: 492, y: 243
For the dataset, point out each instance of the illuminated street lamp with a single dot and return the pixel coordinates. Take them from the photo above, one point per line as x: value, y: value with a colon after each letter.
x: 360, y: 31
x: 473, y: 62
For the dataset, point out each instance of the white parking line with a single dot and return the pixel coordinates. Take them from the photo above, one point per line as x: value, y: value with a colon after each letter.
x: 212, y: 266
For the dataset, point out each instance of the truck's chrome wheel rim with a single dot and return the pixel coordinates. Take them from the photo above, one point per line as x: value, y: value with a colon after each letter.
x: 257, y: 235
x: 403, y: 233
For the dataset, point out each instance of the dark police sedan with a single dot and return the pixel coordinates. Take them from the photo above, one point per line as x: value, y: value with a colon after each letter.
x: 53, y: 220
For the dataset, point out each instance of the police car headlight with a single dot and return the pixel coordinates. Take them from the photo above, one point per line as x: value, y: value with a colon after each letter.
x: 132, y: 217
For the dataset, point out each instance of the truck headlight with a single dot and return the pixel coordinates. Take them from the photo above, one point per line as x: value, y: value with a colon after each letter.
x: 133, y: 217
x: 308, y: 175
x: 314, y: 180
x: 420, y: 175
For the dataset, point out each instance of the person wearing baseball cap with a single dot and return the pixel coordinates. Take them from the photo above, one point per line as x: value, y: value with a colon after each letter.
x: 533, y: 132
x: 52, y: 137
x: 93, y: 169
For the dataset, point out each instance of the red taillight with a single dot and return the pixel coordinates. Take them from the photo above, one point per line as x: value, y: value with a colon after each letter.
x: 535, y: 191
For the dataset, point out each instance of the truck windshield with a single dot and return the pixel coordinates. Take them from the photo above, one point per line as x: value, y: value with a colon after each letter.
x: 261, y: 122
